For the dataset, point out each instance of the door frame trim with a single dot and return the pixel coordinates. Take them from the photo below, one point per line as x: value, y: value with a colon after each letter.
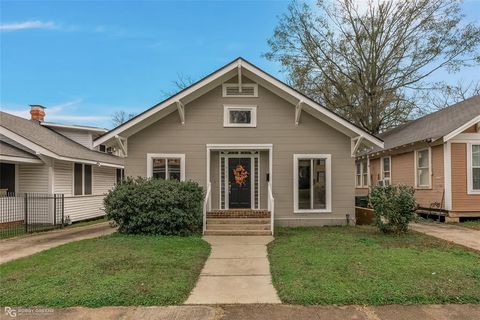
x: 252, y: 180
x: 246, y: 147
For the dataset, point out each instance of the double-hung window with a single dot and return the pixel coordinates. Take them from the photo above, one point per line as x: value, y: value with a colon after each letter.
x: 386, y: 170
x: 312, y: 183
x: 119, y: 175
x: 473, y: 173
x: 361, y: 173
x: 423, y: 168
x: 82, y: 179
x: 166, y: 166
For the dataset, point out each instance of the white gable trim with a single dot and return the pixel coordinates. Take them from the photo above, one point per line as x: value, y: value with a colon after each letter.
x: 219, y: 73
x: 39, y: 150
x: 461, y: 129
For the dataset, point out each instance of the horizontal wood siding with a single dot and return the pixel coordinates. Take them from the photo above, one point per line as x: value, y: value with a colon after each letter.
x: 32, y: 178
x: 461, y: 200
x: 63, y: 173
x: 275, y: 125
x: 84, y: 207
x: 82, y: 137
x: 104, y: 179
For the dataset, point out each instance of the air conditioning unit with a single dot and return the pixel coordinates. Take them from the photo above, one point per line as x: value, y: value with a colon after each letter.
x: 384, y: 182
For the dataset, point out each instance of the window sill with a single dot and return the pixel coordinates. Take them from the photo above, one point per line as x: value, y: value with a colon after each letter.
x: 240, y: 126
x: 423, y: 188
x: 362, y: 187
x: 473, y: 192
x: 312, y: 211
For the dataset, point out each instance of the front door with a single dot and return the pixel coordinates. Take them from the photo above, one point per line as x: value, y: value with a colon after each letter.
x: 239, y: 183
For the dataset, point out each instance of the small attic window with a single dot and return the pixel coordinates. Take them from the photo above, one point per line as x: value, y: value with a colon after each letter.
x: 239, y: 116
x: 232, y: 90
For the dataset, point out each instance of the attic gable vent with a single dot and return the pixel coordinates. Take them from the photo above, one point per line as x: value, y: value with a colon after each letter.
x: 233, y: 90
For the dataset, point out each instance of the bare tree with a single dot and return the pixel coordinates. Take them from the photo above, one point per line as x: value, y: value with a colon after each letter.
x: 368, y: 64
x: 120, y: 117
x: 182, y: 82
x: 448, y: 94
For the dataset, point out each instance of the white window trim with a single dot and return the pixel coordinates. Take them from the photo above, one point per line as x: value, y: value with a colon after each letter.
x: 382, y: 172
x: 470, y: 189
x: 328, y: 182
x: 235, y: 85
x: 429, y: 186
x: 362, y: 185
x: 83, y: 180
x: 151, y: 156
x: 231, y: 107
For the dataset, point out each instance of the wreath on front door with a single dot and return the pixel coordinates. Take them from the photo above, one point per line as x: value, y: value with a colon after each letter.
x: 240, y: 175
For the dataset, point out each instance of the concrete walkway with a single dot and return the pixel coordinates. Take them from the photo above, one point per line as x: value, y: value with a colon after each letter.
x: 237, y: 271
x: 256, y: 312
x: 460, y: 235
x: 11, y: 249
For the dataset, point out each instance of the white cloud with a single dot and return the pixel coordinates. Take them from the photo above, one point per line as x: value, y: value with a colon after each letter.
x: 31, y: 24
x: 58, y: 112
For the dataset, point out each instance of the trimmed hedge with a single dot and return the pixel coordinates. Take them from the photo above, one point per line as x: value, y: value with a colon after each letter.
x: 155, y: 207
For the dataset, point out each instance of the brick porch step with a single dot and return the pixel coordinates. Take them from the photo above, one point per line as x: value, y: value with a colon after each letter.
x: 238, y: 213
x: 238, y: 227
x: 238, y: 233
x: 238, y: 220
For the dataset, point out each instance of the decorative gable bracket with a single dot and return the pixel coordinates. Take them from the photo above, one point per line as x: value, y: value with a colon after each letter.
x: 356, y: 142
x: 298, y: 112
x: 181, y: 111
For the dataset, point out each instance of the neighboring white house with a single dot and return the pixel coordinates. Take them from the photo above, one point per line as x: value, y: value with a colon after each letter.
x: 48, y: 158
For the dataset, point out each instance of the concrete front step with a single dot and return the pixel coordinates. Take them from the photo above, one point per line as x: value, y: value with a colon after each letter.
x: 238, y: 232
x: 238, y: 221
x: 238, y: 226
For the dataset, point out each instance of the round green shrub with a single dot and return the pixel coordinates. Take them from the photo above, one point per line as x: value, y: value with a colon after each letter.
x: 394, y: 207
x: 155, y: 207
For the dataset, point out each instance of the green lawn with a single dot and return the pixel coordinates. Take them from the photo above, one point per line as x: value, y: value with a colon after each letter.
x: 359, y: 265
x: 471, y: 224
x: 112, y: 270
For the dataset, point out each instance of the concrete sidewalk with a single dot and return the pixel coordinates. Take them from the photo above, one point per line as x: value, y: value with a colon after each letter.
x: 237, y: 271
x: 460, y: 235
x: 256, y: 312
x: 11, y: 249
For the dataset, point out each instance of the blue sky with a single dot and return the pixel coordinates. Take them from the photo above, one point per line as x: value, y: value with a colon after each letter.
x: 84, y: 60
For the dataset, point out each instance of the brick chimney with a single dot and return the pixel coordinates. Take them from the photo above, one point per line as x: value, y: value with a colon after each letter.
x: 37, y: 112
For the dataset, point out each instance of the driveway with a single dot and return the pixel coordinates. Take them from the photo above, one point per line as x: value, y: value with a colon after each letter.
x: 237, y: 271
x: 15, y: 248
x: 466, y: 237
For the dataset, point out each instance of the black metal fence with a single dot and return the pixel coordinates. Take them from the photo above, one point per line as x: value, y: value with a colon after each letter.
x: 22, y: 213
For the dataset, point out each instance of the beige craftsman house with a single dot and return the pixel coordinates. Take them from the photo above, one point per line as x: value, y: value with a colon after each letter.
x: 43, y: 158
x: 259, y: 148
x: 438, y: 154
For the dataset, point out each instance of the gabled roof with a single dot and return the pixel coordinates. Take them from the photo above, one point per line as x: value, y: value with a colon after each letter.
x: 216, y: 78
x: 434, y: 126
x: 45, y: 141
x: 7, y: 150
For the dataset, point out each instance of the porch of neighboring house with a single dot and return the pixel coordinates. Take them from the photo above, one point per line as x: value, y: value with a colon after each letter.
x: 239, y: 198
x: 26, y: 210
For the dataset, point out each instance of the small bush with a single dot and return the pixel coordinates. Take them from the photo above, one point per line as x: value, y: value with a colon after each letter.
x: 156, y: 207
x: 394, y: 207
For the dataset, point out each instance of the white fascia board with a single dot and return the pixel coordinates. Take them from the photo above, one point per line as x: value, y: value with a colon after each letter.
x: 461, y: 129
x: 6, y: 158
x: 39, y: 150
x: 74, y: 127
x: 166, y: 103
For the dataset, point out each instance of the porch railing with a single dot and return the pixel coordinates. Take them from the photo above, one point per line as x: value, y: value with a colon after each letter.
x: 271, y: 205
x: 206, y: 205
